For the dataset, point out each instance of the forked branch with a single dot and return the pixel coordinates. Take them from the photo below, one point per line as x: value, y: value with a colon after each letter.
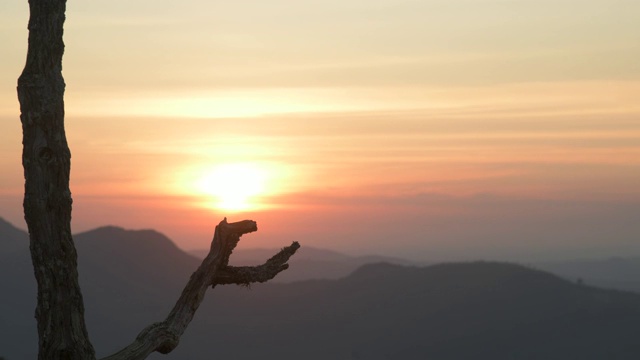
x: 164, y: 336
x: 245, y: 275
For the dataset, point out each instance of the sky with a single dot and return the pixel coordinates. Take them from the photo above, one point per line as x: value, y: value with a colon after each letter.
x: 426, y: 129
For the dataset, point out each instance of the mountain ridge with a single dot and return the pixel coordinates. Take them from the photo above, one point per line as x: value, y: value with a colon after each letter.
x: 622, y: 273
x: 480, y: 310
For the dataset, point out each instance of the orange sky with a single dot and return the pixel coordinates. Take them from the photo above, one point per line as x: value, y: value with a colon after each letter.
x: 427, y: 129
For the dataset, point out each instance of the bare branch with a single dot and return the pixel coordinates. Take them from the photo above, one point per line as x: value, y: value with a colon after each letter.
x: 245, y: 275
x: 164, y: 336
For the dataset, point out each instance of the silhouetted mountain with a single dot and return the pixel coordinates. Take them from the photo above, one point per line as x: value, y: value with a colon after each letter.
x: 12, y: 239
x: 137, y: 273
x: 614, y: 273
x: 134, y: 274
x: 309, y: 263
x: 451, y: 311
x: 475, y: 310
x: 132, y: 257
x: 17, y: 294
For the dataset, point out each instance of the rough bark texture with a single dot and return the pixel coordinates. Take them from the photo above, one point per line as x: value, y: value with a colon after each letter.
x: 164, y: 336
x: 47, y: 201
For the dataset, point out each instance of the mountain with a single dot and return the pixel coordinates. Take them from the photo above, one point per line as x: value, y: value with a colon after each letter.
x: 478, y: 310
x: 128, y: 278
x: 613, y: 273
x: 136, y: 273
x: 450, y: 311
x: 309, y: 262
x: 12, y: 239
x: 18, y: 294
x: 149, y: 256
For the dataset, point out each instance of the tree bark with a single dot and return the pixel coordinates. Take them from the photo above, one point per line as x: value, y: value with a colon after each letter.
x: 47, y: 202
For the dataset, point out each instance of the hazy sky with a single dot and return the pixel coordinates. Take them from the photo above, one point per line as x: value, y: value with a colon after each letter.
x: 430, y: 129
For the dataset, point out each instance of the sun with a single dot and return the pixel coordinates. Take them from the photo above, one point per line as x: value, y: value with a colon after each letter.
x: 234, y: 187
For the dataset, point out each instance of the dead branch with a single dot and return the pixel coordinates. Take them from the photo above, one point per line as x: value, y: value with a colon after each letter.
x: 164, y: 336
x: 245, y: 275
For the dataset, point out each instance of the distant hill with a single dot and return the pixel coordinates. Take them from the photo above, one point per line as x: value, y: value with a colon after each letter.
x: 479, y: 310
x: 613, y: 273
x: 137, y: 274
x: 148, y: 256
x: 12, y: 239
x: 449, y: 311
x: 309, y: 262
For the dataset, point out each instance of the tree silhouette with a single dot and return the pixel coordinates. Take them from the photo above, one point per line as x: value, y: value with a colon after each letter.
x: 47, y: 206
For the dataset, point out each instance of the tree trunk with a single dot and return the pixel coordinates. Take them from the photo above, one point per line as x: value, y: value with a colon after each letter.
x: 47, y: 202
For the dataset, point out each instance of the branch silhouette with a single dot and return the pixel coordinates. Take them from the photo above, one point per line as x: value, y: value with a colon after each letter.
x: 164, y: 336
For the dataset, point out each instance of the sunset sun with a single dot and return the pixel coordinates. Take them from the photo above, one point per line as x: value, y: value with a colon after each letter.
x: 234, y: 187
